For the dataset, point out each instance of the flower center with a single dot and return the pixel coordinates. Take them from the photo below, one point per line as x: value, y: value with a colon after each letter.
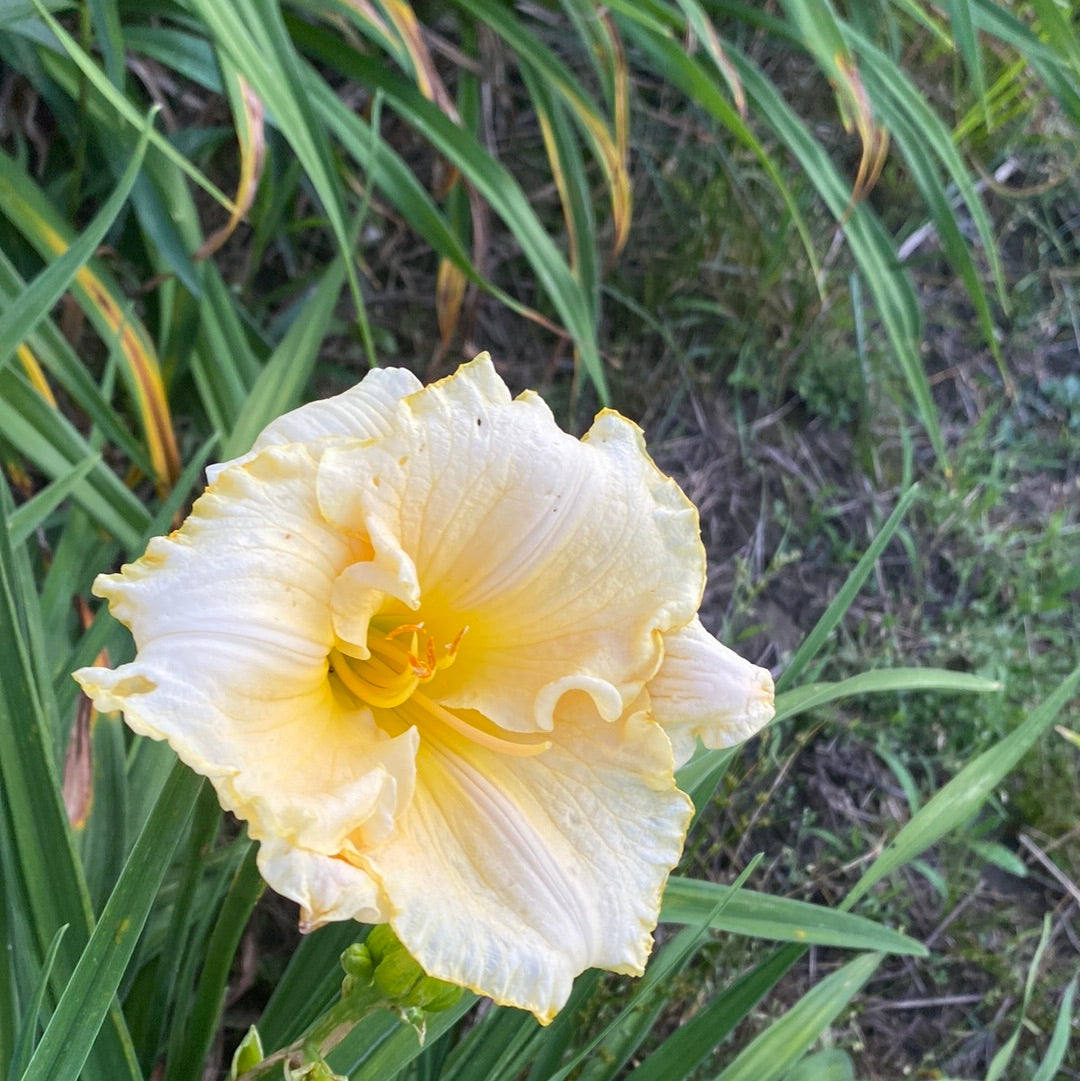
x: 395, y: 668
x: 390, y: 677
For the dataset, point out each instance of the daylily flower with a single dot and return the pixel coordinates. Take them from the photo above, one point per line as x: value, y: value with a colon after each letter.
x: 444, y: 659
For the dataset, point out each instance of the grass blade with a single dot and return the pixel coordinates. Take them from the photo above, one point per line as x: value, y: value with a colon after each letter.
x: 282, y: 381
x: 701, y: 775
x: 1000, y: 1062
x: 124, y: 108
x: 255, y: 38
x: 492, y: 180
x: 922, y: 136
x: 44, y: 858
x: 30, y: 210
x: 381, y: 1046
x: 1059, y: 32
x: 568, y: 171
x: 562, y: 86
x: 967, y: 44
x: 792, y: 703
x: 25, y: 1042
x: 1059, y: 1039
x: 611, y: 1048
x: 247, y: 112
x: 1058, y: 76
x: 61, y: 361
x: 32, y: 514
x: 779, y: 919
x: 48, y: 439
x: 45, y: 290
x: 688, y: 1045
x: 773, y: 1052
x: 954, y: 804
x: 308, y: 986
x: 81, y: 1010
x: 198, y: 1033
x: 871, y: 246
x: 847, y: 593
x: 696, y: 81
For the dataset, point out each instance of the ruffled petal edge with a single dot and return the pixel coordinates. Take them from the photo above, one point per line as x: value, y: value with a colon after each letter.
x: 706, y: 691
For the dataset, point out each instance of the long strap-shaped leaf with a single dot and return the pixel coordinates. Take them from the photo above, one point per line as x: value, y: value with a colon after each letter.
x: 881, y: 681
x: 55, y: 356
x: 254, y: 37
x: 783, y: 1043
x: 43, y: 857
x: 51, y: 284
x: 123, y: 107
x: 74, y: 1026
x: 288, y: 369
x: 781, y: 919
x: 30, y: 210
x: 565, y: 88
x: 688, y: 1045
x: 953, y: 805
x: 843, y: 599
x: 870, y: 244
x: 492, y: 180
x: 56, y: 447
x: 698, y: 81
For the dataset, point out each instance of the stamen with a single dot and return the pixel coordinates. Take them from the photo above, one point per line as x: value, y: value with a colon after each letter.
x: 477, y: 735
x: 389, y: 677
x: 451, y: 650
x: 391, y: 690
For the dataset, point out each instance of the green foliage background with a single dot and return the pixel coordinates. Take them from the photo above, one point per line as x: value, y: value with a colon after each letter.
x: 209, y: 211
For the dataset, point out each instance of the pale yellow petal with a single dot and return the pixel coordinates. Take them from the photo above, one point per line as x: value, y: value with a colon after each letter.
x: 326, y: 888
x: 512, y: 875
x: 706, y: 691
x: 231, y: 616
x: 366, y: 411
x: 565, y: 559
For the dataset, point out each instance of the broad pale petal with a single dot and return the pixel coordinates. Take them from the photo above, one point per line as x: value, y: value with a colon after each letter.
x: 566, y: 559
x: 704, y: 690
x: 326, y: 888
x: 231, y: 618
x: 512, y: 875
x: 366, y: 411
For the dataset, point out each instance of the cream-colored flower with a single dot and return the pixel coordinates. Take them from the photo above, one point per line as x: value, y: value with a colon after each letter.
x: 444, y: 659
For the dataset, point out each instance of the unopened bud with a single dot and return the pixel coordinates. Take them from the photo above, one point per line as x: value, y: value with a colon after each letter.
x: 398, y: 975
x: 381, y: 940
x: 248, y: 1054
x: 436, y: 995
x: 358, y: 966
x: 400, y: 978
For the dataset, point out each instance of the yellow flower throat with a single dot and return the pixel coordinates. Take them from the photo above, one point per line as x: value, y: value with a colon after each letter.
x: 390, y: 677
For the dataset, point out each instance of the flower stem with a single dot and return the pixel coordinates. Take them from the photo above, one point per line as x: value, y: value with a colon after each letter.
x: 322, y: 1036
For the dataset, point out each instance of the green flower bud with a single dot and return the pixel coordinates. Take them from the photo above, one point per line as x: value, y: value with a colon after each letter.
x: 357, y: 961
x: 248, y: 1054
x: 381, y: 940
x: 436, y: 995
x: 397, y: 975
